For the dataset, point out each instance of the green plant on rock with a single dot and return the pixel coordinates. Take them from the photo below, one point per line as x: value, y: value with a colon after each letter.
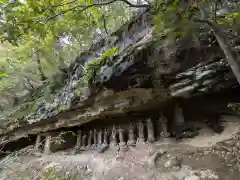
x: 60, y: 138
x: 78, y: 92
x: 17, y: 114
x: 62, y: 107
x: 90, y: 68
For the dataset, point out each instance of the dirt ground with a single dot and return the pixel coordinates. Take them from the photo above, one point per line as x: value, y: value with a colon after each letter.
x: 209, y: 156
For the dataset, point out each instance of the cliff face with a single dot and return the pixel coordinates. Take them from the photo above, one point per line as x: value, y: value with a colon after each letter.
x: 144, y: 73
x: 126, y: 109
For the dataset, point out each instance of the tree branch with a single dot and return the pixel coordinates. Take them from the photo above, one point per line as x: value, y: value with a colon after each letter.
x: 39, y: 67
x: 58, y: 5
x: 203, y: 21
x: 64, y: 4
x: 231, y: 54
x: 135, y: 5
x: 215, y: 10
x: 105, y: 25
x: 97, y: 5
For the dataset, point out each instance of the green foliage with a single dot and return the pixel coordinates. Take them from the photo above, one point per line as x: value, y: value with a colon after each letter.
x: 16, y: 115
x: 78, y: 91
x: 60, y: 138
x: 91, y: 67
x: 172, y: 19
x: 108, y: 53
x: 23, y: 110
x: 34, y: 30
x: 51, y: 174
x: 24, y: 19
x: 62, y: 107
x: 3, y: 74
x: 178, y: 18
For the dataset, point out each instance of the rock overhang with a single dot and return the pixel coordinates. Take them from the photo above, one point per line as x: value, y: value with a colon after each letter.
x: 201, y: 78
x: 133, y: 100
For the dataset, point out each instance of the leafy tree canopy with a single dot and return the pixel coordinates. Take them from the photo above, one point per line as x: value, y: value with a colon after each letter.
x: 47, y: 19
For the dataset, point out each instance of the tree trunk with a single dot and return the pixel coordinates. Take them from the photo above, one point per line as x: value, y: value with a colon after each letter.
x: 39, y: 67
x: 232, y: 56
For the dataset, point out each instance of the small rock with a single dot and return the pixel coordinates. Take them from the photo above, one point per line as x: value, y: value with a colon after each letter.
x: 152, y: 159
x: 119, y: 157
x: 89, y: 170
x: 103, y: 149
x: 206, y: 153
x: 123, y: 148
x: 192, y: 177
x: 174, y: 162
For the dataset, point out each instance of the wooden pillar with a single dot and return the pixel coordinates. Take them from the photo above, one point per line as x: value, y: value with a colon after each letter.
x: 150, y: 131
x: 83, y: 145
x: 162, y: 127
x: 113, y: 143
x: 100, y: 134
x: 94, y: 138
x: 48, y: 142
x: 90, y: 139
x: 179, y: 126
x: 38, y: 143
x: 122, y: 143
x: 141, y: 138
x: 79, y: 140
x: 131, y: 137
x: 121, y: 136
x: 178, y: 115
x: 105, y: 137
